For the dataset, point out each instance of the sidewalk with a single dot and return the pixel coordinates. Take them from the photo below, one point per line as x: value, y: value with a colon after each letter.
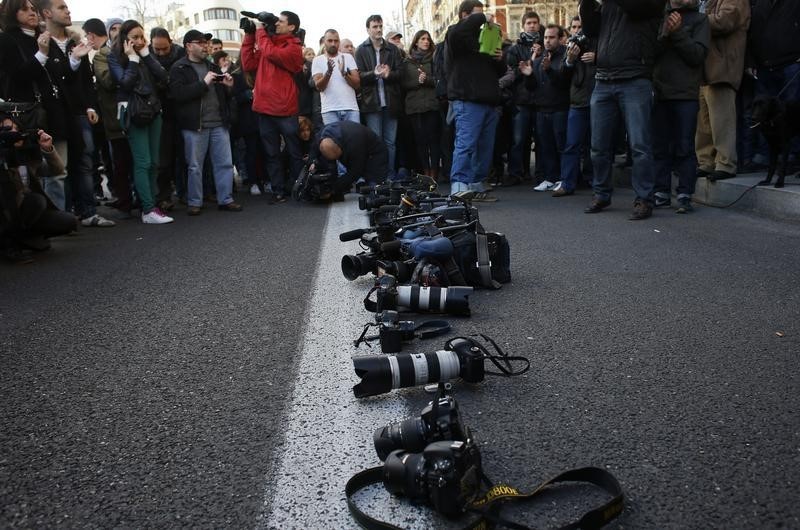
x: 781, y: 204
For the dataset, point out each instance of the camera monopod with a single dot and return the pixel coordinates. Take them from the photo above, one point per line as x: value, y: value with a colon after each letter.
x: 462, y: 357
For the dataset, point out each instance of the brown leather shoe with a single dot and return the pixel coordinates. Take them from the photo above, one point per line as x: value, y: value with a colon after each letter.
x: 641, y: 210
x: 230, y: 207
x: 597, y: 206
x: 194, y: 210
x: 561, y: 192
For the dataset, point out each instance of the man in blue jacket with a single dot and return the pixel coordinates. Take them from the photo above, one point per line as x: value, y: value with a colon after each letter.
x: 626, y: 32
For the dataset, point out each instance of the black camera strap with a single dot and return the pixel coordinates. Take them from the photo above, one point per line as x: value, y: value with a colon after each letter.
x: 501, y: 359
x: 488, y: 506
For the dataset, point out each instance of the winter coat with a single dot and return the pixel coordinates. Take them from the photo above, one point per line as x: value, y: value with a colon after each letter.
x: 625, y: 32
x: 551, y: 86
x: 419, y: 97
x: 774, y: 31
x: 106, y: 95
x: 365, y: 60
x: 187, y: 91
x: 276, y: 61
x: 146, y: 75
x: 471, y: 75
x: 521, y: 51
x: 22, y: 76
x: 678, y: 72
x: 728, y: 20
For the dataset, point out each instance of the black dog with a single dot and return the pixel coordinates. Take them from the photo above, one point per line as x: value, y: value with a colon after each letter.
x: 779, y: 122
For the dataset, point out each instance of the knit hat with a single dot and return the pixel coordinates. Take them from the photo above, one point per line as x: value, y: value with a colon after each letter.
x: 96, y: 26
x: 111, y: 21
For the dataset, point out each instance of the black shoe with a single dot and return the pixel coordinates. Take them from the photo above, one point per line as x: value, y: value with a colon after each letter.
x: 720, y: 175
x: 702, y: 173
x: 597, y: 206
x: 641, y: 210
x: 278, y: 199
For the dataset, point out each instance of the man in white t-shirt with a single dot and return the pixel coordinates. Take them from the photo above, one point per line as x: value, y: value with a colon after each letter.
x: 336, y: 77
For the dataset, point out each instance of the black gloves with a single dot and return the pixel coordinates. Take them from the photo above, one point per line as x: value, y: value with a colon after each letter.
x: 247, y: 25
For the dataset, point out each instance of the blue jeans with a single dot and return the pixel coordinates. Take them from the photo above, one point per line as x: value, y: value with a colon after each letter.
x: 216, y: 142
x: 578, y: 127
x: 632, y: 99
x: 475, y: 125
x: 272, y: 128
x: 522, y: 120
x: 332, y: 116
x: 385, y: 127
x: 80, y: 168
x: 552, y: 129
x: 674, y: 128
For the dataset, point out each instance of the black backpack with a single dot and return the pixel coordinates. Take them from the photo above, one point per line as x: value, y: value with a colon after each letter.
x: 484, y: 258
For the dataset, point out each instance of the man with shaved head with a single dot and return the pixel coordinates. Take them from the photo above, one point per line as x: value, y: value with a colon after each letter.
x: 357, y: 147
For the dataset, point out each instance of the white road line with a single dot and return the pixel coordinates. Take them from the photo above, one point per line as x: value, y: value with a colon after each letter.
x: 328, y: 431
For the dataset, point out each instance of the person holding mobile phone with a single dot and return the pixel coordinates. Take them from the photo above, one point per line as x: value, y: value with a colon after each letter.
x: 202, y: 93
x: 135, y: 70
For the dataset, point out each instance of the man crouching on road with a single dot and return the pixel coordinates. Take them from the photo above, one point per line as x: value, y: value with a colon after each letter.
x: 200, y: 91
x: 362, y: 152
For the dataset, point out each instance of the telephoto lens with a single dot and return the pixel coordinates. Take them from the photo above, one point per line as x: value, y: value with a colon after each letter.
x: 450, y: 300
x: 382, y: 373
x: 446, y: 475
x: 438, y: 421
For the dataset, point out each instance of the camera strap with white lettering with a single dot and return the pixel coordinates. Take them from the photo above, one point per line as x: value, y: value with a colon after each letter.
x: 488, y: 506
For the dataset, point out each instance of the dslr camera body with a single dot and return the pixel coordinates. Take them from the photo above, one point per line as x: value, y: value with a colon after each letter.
x: 393, y: 331
x: 446, y: 475
x: 580, y: 40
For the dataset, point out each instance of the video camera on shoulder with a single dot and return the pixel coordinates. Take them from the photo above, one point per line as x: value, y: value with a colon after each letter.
x: 268, y: 19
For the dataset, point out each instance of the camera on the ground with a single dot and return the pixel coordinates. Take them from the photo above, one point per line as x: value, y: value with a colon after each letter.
x: 445, y: 475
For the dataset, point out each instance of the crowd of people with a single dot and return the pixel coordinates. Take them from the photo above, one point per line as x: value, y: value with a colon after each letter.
x: 666, y: 83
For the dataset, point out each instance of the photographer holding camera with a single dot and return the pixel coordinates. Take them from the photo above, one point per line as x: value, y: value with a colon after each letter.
x: 201, y: 93
x: 274, y: 51
x: 27, y: 215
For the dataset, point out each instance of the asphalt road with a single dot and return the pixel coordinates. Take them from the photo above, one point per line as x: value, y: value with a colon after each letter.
x: 150, y: 374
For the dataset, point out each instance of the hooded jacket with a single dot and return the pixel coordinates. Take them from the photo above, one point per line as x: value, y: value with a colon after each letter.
x: 276, y: 60
x: 625, y: 32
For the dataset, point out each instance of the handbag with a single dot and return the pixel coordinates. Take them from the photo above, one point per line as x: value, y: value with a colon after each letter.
x: 143, y: 105
x: 31, y: 115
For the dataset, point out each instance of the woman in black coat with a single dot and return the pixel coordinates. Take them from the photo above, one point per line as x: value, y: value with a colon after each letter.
x: 23, y: 77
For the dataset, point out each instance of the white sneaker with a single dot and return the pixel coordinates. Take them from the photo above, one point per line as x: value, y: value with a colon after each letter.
x: 545, y: 185
x: 557, y: 186
x: 97, y: 220
x: 255, y: 190
x: 154, y: 217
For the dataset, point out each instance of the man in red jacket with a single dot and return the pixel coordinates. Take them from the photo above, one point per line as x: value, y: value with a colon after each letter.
x: 275, y: 53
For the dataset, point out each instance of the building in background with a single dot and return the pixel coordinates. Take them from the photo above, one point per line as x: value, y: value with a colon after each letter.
x: 437, y: 15
x: 218, y: 17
